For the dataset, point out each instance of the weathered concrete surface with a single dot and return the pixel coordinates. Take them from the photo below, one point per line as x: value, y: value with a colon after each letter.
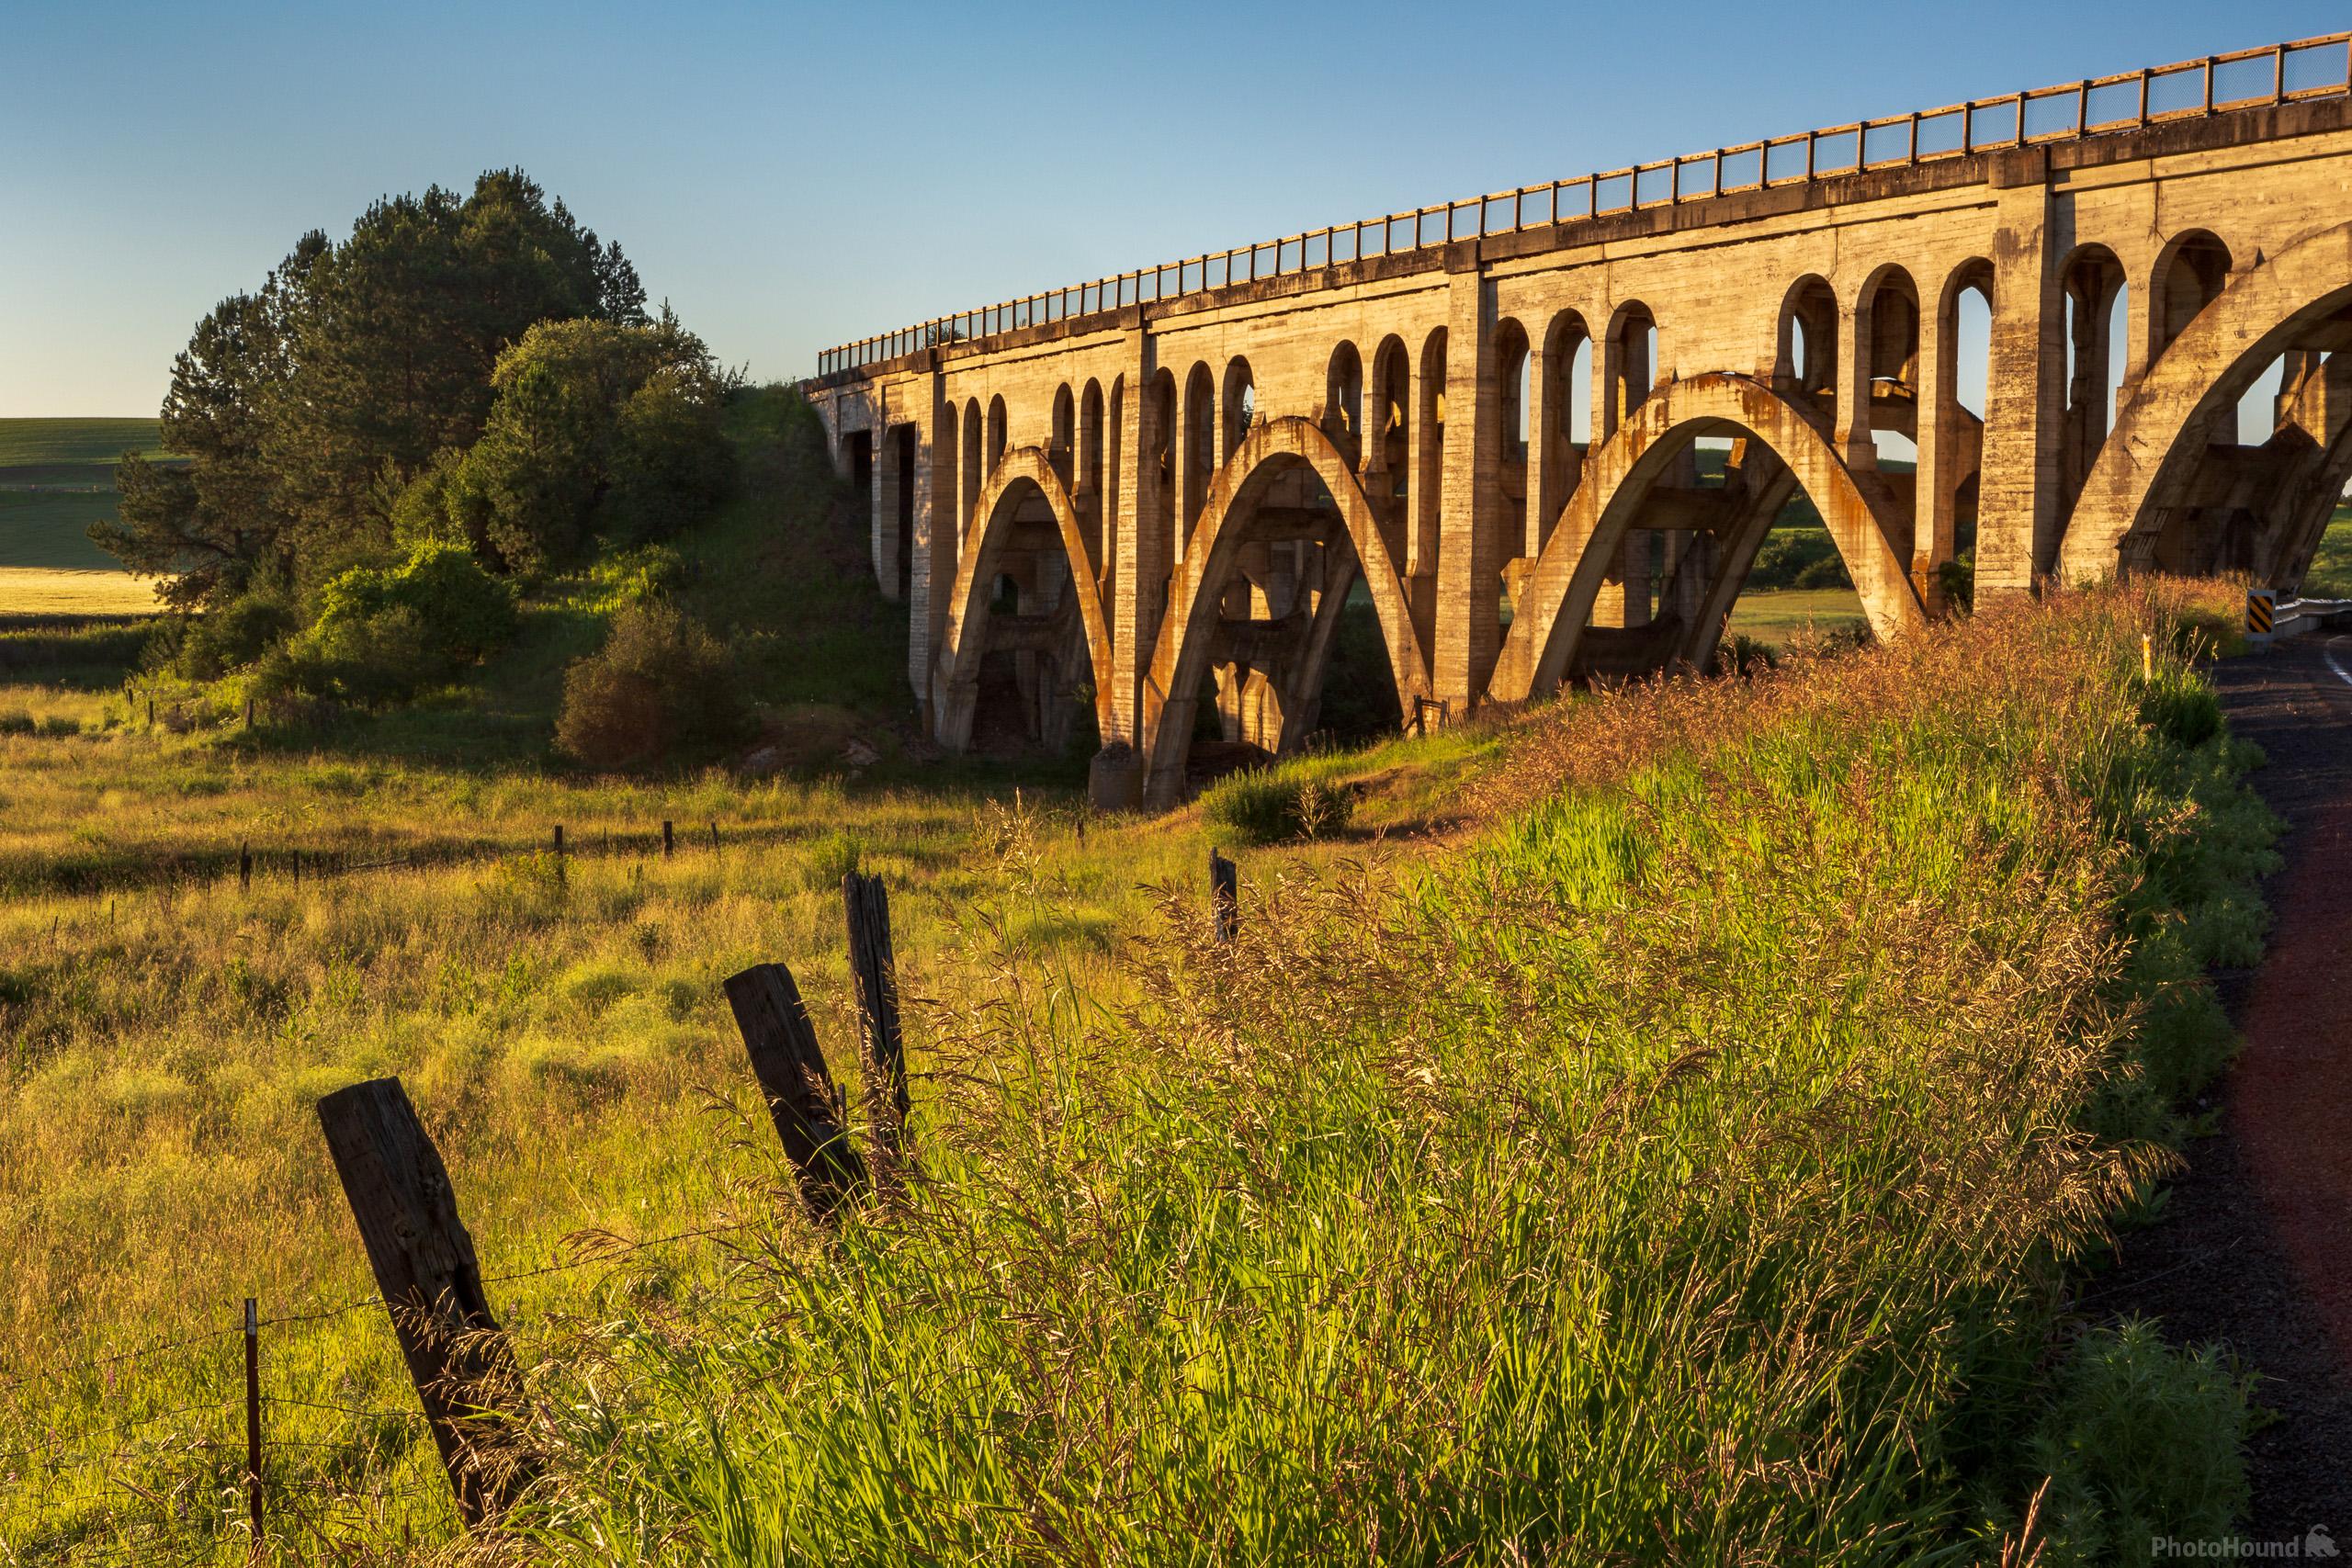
x: 1163, y: 505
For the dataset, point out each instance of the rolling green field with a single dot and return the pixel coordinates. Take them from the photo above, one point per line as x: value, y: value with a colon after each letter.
x: 75, y: 443
x: 56, y: 478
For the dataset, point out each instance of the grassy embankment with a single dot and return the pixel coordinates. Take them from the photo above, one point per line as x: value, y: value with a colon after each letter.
x: 1691, y: 1157
x: 1689, y: 1168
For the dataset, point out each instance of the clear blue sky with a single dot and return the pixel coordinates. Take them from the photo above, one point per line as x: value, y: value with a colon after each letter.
x: 789, y: 176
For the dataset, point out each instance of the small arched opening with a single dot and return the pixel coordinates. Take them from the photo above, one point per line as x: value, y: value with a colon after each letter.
x: 1240, y: 402
x: 1565, y: 401
x: 2189, y: 274
x: 1086, y: 488
x: 1199, y: 455
x: 1061, y: 448
x: 1343, y: 403
x: 975, y: 470
x: 1804, y: 367
x: 2098, y: 299
x: 1387, y: 465
x: 1514, y: 380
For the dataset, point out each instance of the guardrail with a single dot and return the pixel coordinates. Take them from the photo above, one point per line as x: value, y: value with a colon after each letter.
x: 2103, y: 105
x: 2267, y: 616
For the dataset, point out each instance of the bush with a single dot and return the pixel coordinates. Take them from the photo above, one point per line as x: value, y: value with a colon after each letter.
x: 659, y: 684
x: 2142, y: 1441
x: 1265, y: 806
x: 384, y: 634
x: 234, y: 635
x: 1740, y: 654
x: 1799, y: 557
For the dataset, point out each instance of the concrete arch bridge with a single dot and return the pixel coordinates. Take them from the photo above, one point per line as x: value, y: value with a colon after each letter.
x: 1543, y: 432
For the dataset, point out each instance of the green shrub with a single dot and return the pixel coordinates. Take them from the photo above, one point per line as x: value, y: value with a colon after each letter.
x: 1740, y: 654
x: 384, y: 634
x: 2142, y: 1441
x: 660, y: 683
x: 234, y: 635
x: 1265, y: 806
x: 1957, y: 578
x: 1799, y: 556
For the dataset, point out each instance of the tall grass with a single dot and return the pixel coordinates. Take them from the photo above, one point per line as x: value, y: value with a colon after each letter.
x: 163, y: 1039
x: 1686, y: 1169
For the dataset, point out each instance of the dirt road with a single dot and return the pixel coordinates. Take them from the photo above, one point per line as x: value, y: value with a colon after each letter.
x: 2256, y: 1248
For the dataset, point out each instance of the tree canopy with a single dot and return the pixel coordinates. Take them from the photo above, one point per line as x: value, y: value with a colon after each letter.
x: 307, y: 409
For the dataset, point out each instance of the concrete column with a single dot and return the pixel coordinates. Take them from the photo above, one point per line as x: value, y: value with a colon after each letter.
x: 1469, y: 564
x: 1853, y: 431
x: 887, y: 541
x: 1931, y: 504
x: 2017, y: 518
x: 1421, y: 435
x: 930, y: 575
x: 1139, y: 573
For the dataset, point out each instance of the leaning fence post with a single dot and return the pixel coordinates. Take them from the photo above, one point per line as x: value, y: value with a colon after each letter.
x: 801, y: 1099
x: 425, y: 1270
x: 873, y: 969
x: 1225, y: 896
x: 252, y: 1418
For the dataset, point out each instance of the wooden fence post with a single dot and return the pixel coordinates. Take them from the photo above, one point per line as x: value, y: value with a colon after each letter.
x: 559, y: 851
x: 425, y: 1270
x: 253, y: 1418
x: 874, y: 970
x: 1225, y: 896
x: 801, y: 1099
x: 245, y: 867
x: 669, y: 841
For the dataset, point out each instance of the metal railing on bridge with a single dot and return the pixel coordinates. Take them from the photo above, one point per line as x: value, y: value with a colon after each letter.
x: 2312, y: 68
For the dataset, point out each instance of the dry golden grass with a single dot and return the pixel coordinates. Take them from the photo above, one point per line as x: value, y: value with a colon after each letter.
x: 46, y: 591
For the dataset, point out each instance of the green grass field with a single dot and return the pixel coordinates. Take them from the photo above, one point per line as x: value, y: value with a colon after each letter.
x: 56, y: 478
x: 75, y: 443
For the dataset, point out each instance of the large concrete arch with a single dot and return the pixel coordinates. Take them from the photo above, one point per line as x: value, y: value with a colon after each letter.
x: 1619, y: 475
x: 1179, y: 657
x: 2259, y: 313
x: 956, y: 675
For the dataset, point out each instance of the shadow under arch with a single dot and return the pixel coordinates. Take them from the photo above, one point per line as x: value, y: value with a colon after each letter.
x: 955, y: 673
x: 2258, y: 314
x: 1273, y: 448
x: 1620, y: 474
